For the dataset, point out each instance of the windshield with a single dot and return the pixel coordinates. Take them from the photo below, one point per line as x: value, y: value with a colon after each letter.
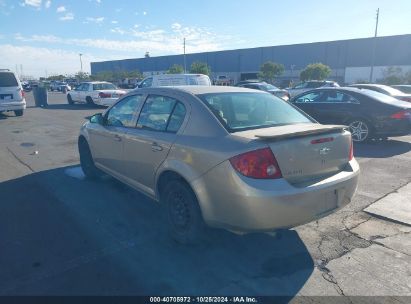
x: 391, y: 91
x: 243, y: 111
x: 104, y: 86
x: 380, y: 96
x: 268, y: 87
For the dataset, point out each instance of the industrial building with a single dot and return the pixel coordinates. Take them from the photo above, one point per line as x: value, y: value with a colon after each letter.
x: 350, y: 60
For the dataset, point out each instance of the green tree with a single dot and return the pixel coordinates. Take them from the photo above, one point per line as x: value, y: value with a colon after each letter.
x: 392, y: 75
x: 81, y: 76
x: 270, y: 70
x: 198, y: 67
x: 175, y: 69
x: 56, y: 77
x: 315, y: 71
x: 407, y: 77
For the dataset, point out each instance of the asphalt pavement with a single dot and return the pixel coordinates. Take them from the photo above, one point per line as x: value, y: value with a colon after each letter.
x: 61, y: 234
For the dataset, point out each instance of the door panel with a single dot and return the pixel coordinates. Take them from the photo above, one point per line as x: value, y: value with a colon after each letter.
x: 147, y: 146
x: 107, y: 144
x: 144, y: 151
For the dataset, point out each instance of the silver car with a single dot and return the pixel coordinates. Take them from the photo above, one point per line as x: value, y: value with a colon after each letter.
x: 226, y: 157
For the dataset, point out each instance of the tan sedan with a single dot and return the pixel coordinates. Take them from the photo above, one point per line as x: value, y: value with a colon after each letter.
x: 227, y: 157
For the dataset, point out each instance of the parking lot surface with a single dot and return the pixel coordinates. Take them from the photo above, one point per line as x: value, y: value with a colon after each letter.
x: 61, y: 234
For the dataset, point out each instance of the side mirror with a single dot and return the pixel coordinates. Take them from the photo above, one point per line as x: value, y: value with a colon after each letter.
x: 97, y: 119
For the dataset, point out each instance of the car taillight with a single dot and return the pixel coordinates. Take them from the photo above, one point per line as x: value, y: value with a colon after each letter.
x: 259, y: 164
x: 22, y: 93
x: 401, y: 115
x: 351, y: 155
x: 104, y: 95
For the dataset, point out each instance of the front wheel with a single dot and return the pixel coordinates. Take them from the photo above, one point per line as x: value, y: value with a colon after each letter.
x: 89, y: 100
x: 184, y: 214
x: 18, y: 112
x: 360, y: 130
x: 69, y: 99
x: 86, y: 161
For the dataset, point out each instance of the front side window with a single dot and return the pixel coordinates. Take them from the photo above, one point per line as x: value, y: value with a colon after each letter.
x: 245, y: 111
x: 161, y: 113
x: 121, y: 114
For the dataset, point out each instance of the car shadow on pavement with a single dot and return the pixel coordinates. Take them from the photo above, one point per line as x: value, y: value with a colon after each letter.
x: 382, y: 148
x: 62, y: 234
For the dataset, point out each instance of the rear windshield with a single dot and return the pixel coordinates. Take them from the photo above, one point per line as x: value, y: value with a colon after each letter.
x: 8, y: 80
x: 245, y: 111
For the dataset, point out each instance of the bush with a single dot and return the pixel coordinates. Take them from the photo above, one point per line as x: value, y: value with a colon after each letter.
x: 315, y: 71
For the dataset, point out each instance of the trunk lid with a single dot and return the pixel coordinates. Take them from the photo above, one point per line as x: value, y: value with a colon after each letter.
x: 306, y: 152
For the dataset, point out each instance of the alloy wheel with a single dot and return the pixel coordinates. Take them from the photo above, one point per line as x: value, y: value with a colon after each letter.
x: 359, y: 130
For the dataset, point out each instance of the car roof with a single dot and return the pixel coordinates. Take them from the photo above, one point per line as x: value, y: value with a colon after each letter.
x: 96, y: 82
x: 369, y: 85
x: 198, y: 90
x: 349, y: 89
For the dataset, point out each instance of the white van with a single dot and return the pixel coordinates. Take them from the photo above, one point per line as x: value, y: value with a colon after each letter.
x: 11, y: 93
x: 166, y: 80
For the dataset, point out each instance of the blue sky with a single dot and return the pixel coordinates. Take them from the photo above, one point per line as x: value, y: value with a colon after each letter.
x: 46, y: 36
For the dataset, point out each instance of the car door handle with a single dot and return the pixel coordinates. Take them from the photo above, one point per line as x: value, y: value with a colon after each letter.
x: 117, y: 138
x: 156, y: 147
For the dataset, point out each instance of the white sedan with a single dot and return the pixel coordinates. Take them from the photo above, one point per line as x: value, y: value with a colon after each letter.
x: 96, y: 92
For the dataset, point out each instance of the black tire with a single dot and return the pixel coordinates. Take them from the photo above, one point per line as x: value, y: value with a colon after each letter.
x: 89, y: 100
x: 69, y: 99
x: 183, y: 212
x: 361, y: 130
x: 19, y: 112
x: 87, y: 162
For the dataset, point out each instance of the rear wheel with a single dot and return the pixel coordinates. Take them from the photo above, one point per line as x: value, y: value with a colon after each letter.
x: 89, y: 100
x: 19, y: 112
x: 86, y: 160
x: 360, y: 130
x: 184, y: 214
x: 69, y: 99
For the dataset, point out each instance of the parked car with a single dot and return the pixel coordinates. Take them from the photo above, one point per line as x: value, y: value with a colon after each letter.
x: 11, y: 93
x: 222, y: 80
x: 95, y: 92
x: 263, y: 86
x: 369, y: 114
x: 405, y: 88
x: 26, y: 86
x: 384, y: 89
x: 247, y: 81
x: 229, y: 157
x: 174, y: 80
x: 309, y: 85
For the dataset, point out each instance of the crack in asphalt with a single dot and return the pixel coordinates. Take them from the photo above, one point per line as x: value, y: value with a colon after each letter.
x: 19, y: 160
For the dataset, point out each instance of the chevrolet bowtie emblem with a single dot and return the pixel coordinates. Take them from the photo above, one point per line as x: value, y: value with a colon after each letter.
x: 324, y: 151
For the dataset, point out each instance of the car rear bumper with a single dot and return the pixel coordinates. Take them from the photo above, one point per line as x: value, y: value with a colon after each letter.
x: 12, y: 106
x: 234, y: 202
x: 394, y: 128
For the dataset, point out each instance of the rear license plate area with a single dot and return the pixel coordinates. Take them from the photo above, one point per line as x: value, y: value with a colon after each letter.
x: 6, y: 96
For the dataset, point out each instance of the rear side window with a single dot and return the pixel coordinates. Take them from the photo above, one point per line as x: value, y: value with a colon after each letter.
x: 245, y: 111
x: 103, y: 86
x: 8, y: 80
x: 161, y: 113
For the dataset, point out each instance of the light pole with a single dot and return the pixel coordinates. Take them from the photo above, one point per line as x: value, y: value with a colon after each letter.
x: 81, y: 63
x: 374, y: 46
x: 185, y: 68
